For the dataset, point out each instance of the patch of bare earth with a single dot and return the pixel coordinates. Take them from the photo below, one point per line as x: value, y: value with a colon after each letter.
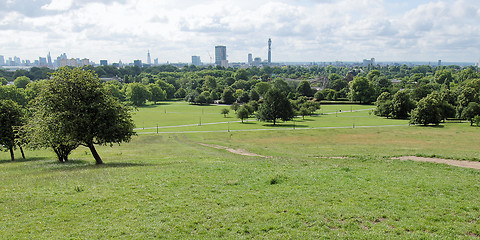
x: 457, y: 163
x: 235, y: 151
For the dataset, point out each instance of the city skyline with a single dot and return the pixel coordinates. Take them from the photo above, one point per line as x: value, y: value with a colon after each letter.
x: 303, y: 30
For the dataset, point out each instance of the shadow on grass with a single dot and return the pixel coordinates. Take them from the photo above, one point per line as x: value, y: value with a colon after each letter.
x: 20, y: 160
x: 75, y: 164
x: 285, y: 125
x: 430, y: 126
x: 248, y: 123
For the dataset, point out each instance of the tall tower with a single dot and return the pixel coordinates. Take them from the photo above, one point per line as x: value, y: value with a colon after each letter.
x: 269, y: 50
x: 49, y: 60
x: 149, y: 60
x: 221, y: 56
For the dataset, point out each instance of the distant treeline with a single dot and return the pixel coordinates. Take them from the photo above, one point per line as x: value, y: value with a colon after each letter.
x: 385, y: 85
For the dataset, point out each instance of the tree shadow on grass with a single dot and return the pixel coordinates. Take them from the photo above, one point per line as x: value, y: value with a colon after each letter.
x: 430, y: 126
x: 75, y: 164
x: 21, y: 160
x: 285, y: 125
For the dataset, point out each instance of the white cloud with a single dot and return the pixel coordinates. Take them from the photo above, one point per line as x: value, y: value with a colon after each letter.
x: 58, y: 5
x: 301, y: 30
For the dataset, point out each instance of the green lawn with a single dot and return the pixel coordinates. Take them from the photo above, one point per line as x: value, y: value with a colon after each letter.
x: 169, y: 186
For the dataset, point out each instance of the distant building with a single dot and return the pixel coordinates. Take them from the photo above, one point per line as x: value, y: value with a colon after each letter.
x: 221, y: 56
x: 17, y: 61
x: 49, y: 60
x: 62, y: 62
x: 250, y: 59
x: 269, y: 51
x: 149, y: 59
x: 155, y: 61
x: 42, y: 62
x: 73, y: 62
x: 439, y: 63
x: 257, y: 61
x: 2, y: 60
x: 103, y: 62
x: 85, y: 62
x: 138, y: 63
x: 367, y: 62
x: 196, y: 61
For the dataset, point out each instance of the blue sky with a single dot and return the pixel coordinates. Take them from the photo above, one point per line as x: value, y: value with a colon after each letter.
x: 301, y: 30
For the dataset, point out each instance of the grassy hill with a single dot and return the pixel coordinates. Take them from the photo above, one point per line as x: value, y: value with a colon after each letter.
x: 323, y: 179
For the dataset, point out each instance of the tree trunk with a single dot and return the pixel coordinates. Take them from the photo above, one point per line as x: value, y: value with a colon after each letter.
x: 98, y: 160
x: 274, y: 122
x: 59, y: 156
x: 12, y: 155
x: 21, y: 150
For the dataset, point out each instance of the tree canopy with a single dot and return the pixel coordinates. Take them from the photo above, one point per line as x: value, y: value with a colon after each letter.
x: 81, y: 112
x: 275, y: 106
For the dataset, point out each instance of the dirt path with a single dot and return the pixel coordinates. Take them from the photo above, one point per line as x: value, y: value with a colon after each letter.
x: 457, y: 163
x: 235, y: 151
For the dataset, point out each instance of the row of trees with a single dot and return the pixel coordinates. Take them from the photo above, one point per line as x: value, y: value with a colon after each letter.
x: 432, y: 106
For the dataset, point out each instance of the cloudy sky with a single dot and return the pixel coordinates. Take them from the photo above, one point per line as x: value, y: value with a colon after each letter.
x: 301, y: 30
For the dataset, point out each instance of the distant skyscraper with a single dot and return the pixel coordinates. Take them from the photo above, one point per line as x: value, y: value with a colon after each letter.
x: 103, y: 62
x: 439, y: 63
x: 196, y: 61
x: 269, y: 50
x: 149, y: 60
x: 138, y: 63
x: 2, y: 60
x: 17, y: 61
x: 49, y: 60
x: 42, y: 61
x: 221, y: 56
x: 250, y: 59
x: 155, y: 61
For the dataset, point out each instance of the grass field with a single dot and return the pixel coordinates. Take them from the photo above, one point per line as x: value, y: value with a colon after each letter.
x: 169, y: 186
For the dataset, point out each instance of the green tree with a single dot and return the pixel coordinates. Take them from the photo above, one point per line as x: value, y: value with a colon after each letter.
x: 444, y: 77
x: 361, y: 90
x: 3, y: 81
x: 180, y: 93
x: 402, y: 105
x: 83, y: 112
x: 227, y: 96
x: 472, y: 110
x: 138, y: 94
x: 11, y: 117
x: 156, y: 93
x: 427, y: 111
x: 241, y: 74
x: 338, y: 84
x: 262, y: 87
x: 242, y: 113
x: 15, y: 94
x: 275, y: 106
x: 384, y: 105
x: 235, y: 106
x: 224, y: 111
x: 304, y: 88
x: 21, y: 82
x: 114, y: 88
x: 254, y: 95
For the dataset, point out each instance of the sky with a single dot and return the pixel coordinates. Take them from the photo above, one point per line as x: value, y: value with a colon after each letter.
x: 301, y: 30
